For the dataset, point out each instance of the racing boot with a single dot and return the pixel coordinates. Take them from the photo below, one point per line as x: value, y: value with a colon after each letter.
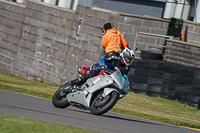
x: 69, y: 88
x: 78, y: 81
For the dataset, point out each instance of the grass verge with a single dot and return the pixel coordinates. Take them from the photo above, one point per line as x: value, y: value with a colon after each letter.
x: 139, y: 105
x: 13, y: 124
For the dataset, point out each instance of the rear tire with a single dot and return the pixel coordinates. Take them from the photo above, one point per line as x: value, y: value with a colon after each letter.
x: 59, y: 99
x: 100, y: 106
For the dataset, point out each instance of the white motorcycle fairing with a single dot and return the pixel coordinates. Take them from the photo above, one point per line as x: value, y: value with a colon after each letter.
x: 91, y: 86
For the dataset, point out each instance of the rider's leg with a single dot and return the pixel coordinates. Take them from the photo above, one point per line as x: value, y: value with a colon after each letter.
x: 81, y: 80
x: 69, y: 88
x: 78, y: 81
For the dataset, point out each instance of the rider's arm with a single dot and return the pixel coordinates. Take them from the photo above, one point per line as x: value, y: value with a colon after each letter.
x: 108, y: 59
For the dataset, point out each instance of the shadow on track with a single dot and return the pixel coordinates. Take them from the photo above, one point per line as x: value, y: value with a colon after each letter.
x: 126, y: 119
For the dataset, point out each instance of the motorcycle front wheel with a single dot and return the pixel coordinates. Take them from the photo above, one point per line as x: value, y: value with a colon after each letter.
x: 101, y: 105
x: 59, y: 99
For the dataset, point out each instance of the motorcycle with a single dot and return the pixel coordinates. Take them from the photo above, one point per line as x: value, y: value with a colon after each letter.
x: 98, y: 94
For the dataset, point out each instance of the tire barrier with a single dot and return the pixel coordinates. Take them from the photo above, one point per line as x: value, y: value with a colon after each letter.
x: 148, y: 55
x: 165, y: 79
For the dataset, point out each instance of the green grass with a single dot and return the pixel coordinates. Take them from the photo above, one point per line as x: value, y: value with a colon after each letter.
x: 139, y: 105
x: 13, y: 124
x: 159, y: 109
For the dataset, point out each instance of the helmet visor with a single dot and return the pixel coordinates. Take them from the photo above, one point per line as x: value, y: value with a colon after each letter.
x: 129, y: 60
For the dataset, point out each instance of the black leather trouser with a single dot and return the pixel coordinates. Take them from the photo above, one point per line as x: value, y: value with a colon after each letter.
x: 82, y: 79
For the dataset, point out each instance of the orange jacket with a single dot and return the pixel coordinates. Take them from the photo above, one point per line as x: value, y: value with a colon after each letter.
x: 113, y: 41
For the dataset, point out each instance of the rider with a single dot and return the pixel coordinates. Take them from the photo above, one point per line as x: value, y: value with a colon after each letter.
x: 122, y: 60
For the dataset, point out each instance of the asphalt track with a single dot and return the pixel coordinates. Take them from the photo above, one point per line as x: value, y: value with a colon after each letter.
x: 17, y: 104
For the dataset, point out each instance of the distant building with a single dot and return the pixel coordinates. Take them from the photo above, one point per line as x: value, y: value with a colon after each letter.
x: 181, y: 9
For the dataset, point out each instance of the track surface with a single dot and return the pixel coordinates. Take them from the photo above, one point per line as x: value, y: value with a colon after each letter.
x: 28, y: 106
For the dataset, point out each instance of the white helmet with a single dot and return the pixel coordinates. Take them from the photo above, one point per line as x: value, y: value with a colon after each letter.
x: 127, y: 55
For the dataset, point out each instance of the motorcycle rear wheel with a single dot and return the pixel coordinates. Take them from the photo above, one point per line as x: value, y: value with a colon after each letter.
x: 100, y: 106
x: 59, y: 99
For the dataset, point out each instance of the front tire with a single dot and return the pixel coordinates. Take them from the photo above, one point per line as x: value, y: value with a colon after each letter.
x: 59, y: 99
x: 100, y: 106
